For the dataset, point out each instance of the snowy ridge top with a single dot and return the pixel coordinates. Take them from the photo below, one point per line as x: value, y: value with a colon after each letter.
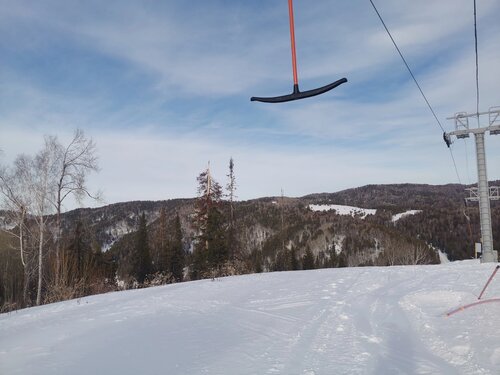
x: 343, y: 210
x: 370, y: 320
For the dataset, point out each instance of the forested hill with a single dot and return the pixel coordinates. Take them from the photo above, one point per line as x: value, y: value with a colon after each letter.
x: 184, y: 239
x: 409, y: 196
x: 441, y: 222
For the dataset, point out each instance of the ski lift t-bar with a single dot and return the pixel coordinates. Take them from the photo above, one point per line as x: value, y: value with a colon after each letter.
x: 297, y: 94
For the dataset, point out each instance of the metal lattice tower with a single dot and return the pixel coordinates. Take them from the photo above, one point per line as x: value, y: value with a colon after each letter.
x: 483, y: 193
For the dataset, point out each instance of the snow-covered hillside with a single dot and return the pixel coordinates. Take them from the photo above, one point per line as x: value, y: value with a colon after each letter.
x: 343, y: 210
x: 331, y: 321
x: 404, y: 214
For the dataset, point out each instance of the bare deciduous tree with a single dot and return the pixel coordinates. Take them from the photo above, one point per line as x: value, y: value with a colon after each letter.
x: 37, y: 187
x: 16, y: 205
x: 41, y: 177
x: 73, y: 163
x: 398, y: 251
x: 16, y: 202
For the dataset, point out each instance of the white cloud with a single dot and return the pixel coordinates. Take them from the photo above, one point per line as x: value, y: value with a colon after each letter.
x: 374, y: 129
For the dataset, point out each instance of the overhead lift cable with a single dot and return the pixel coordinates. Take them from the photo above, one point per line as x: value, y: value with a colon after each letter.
x: 419, y: 88
x: 477, y: 111
x: 477, y: 63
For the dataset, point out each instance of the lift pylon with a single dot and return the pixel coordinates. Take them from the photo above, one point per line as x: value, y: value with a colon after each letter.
x: 462, y: 130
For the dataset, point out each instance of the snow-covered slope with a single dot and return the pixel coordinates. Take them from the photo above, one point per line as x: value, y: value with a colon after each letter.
x: 332, y: 321
x: 343, y: 210
x: 404, y: 214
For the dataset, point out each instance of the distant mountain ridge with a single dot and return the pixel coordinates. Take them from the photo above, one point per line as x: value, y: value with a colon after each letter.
x: 411, y: 196
x: 441, y: 223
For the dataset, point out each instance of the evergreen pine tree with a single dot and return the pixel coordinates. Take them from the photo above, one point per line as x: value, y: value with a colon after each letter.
x: 308, y: 260
x: 282, y: 261
x: 332, y: 258
x: 217, y: 251
x: 78, y: 248
x: 142, y: 255
x: 176, y: 251
x: 256, y: 260
x: 76, y: 261
x: 211, y: 246
x: 342, y: 260
x: 160, y: 252
x: 294, y: 261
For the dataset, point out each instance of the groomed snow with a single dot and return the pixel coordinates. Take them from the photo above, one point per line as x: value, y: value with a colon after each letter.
x: 343, y: 210
x: 334, y: 321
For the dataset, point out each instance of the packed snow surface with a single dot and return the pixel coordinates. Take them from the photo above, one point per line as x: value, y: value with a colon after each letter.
x: 404, y: 214
x: 343, y: 210
x: 333, y: 321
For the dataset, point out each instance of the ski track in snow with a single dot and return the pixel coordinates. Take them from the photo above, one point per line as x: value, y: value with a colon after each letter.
x: 334, y: 321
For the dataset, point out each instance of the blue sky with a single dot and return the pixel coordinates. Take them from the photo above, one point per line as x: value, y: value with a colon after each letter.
x: 164, y: 87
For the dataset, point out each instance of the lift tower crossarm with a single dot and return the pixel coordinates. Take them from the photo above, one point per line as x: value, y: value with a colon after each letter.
x: 462, y: 129
x: 474, y: 194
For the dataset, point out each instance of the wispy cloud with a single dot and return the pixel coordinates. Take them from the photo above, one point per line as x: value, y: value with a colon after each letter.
x: 165, y: 87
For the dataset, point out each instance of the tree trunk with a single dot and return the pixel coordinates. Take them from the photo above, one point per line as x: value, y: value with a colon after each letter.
x: 26, y: 282
x: 40, y: 264
x: 58, y: 242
